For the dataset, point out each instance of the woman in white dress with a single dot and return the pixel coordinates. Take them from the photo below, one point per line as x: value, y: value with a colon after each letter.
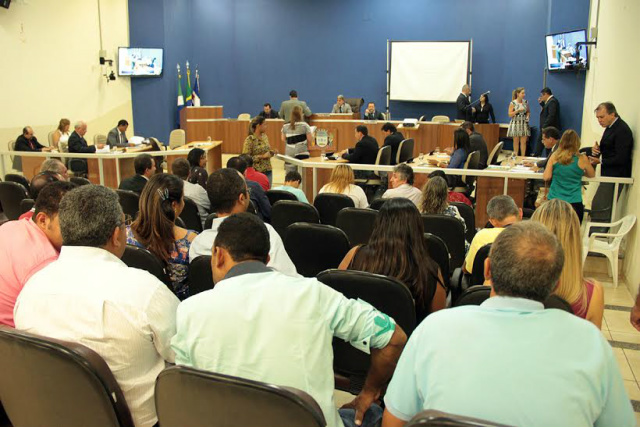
x: 519, y: 126
x: 343, y: 182
x: 61, y: 135
x: 297, y: 136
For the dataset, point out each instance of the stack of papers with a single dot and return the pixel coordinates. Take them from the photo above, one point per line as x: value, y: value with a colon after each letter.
x: 136, y: 140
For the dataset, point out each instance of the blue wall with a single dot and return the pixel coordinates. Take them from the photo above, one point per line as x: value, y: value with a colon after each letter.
x: 255, y: 51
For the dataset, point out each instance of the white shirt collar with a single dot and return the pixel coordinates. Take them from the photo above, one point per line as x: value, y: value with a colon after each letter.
x: 616, y: 119
x: 550, y: 96
x: 75, y: 253
x: 512, y: 304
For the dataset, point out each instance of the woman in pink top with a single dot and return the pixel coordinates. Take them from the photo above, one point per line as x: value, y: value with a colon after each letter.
x: 585, y: 295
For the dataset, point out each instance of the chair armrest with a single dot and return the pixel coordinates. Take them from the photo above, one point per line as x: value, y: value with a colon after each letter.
x: 602, y: 224
x: 455, y: 284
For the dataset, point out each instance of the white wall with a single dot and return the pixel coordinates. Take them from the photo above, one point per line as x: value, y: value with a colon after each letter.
x: 614, y: 77
x: 50, y: 68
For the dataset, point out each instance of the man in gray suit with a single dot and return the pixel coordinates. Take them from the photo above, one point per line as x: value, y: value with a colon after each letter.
x: 117, y: 136
x: 287, y: 106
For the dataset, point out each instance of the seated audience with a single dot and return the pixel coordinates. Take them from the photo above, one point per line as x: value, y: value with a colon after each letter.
x: 565, y: 170
x: 297, y: 136
x: 37, y: 184
x: 268, y: 112
x: 397, y: 249
x: 392, y: 138
x: 61, y: 136
x: 563, y: 368
x: 145, y: 167
x: 454, y: 196
x: 89, y: 296
x: 287, y: 107
x: 117, y: 136
x: 155, y: 229
x: 371, y: 113
x: 435, y: 200
x: 402, y: 185
x: 256, y: 145
x: 28, y: 142
x: 27, y: 246
x: 180, y: 168
x: 253, y: 175
x: 476, y: 143
x: 256, y: 193
x: 228, y: 193
x: 341, y: 106
x: 586, y: 296
x: 342, y: 181
x: 260, y: 324
x: 292, y: 182
x: 197, y: 158
x: 502, y: 212
x: 57, y: 167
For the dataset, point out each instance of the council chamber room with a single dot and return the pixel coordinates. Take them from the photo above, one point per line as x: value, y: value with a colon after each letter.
x: 319, y: 214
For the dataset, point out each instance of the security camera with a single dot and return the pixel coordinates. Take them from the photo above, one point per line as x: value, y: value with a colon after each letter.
x: 112, y: 76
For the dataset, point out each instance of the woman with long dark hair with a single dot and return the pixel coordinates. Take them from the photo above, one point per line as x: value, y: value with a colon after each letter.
x: 484, y: 110
x: 397, y: 249
x: 161, y: 202
x: 257, y: 146
x: 197, y: 158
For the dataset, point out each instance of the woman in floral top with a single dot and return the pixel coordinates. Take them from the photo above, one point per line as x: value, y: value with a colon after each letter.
x: 161, y: 202
x: 257, y: 146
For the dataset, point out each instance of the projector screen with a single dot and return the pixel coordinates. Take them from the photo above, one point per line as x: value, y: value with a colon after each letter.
x: 428, y: 71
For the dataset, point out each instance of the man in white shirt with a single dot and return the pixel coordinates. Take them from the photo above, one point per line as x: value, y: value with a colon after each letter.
x: 181, y: 168
x: 91, y: 297
x: 402, y: 185
x: 228, y: 194
x: 259, y: 324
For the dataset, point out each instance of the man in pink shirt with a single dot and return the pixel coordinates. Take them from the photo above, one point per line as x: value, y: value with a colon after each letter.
x: 253, y: 175
x: 28, y: 245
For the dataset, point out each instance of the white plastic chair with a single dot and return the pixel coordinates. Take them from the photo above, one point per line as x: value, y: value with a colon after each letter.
x: 607, y: 244
x: 99, y: 139
x: 244, y: 116
x: 440, y: 119
x: 177, y: 138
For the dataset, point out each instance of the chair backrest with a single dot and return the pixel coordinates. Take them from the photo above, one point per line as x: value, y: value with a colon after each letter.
x: 58, y: 384
x: 329, y: 204
x: 383, y: 158
x: 50, y: 137
x: 287, y: 212
x: 11, y: 145
x: 11, y: 195
x: 626, y: 225
x: 433, y: 418
x: 554, y: 301
x: 440, y: 119
x: 477, y: 271
x: 26, y: 205
x: 473, y: 162
x: 451, y: 231
x: 421, y: 119
x: 244, y: 116
x: 405, y: 151
x: 209, y: 221
x: 315, y: 247
x: 357, y: 224
x: 277, y: 195
x: 156, y: 144
x: 78, y: 180
x: 99, y: 139
x: 439, y: 254
x: 473, y: 295
x: 376, y: 204
x: 200, y: 275
x: 468, y: 214
x: 384, y: 293
x: 137, y: 257
x: 495, y: 153
x: 355, y: 103
x: 14, y: 177
x: 130, y: 202
x: 191, y: 216
x: 177, y: 138
x: 191, y: 397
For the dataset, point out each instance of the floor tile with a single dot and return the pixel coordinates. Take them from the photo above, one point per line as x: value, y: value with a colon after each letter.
x: 630, y: 337
x: 625, y: 368
x: 606, y: 333
x: 618, y: 321
x: 637, y: 418
x: 633, y: 359
x: 632, y: 390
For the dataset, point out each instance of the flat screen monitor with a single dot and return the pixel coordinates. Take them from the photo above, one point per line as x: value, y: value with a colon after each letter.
x: 562, y: 53
x: 139, y: 62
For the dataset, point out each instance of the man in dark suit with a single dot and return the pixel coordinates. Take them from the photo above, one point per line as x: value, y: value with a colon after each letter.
x: 145, y: 167
x: 268, y: 112
x: 28, y: 142
x: 392, y: 138
x: 371, y: 113
x: 117, y: 136
x: 549, y: 116
x: 463, y: 104
x: 476, y: 143
x: 365, y: 151
x: 550, y: 139
x: 77, y: 144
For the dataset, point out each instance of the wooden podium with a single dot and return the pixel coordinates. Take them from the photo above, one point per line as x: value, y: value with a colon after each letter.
x: 196, y: 131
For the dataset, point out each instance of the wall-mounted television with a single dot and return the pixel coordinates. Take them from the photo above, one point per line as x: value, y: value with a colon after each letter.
x: 140, y: 62
x: 563, y: 54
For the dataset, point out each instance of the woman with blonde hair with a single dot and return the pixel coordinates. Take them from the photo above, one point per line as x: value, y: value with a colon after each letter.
x: 342, y: 181
x: 565, y: 170
x: 297, y: 136
x: 586, y: 296
x: 519, y: 126
x: 61, y: 134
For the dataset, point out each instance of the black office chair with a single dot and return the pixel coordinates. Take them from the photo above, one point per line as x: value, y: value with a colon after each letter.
x: 26, y: 205
x: 357, y: 224
x: 315, y: 247
x: 475, y: 295
x: 384, y: 293
x: 277, y: 195
x: 433, y: 418
x: 377, y: 178
x: 376, y: 204
x: 287, y: 212
x: 141, y: 258
x: 79, y: 167
x: 191, y: 216
x: 11, y: 195
x: 12, y: 177
x: 467, y: 181
x: 329, y: 204
x: 451, y: 231
x: 405, y: 151
x: 209, y: 221
x: 200, y: 275
x: 180, y: 223
x: 460, y: 281
x: 53, y: 383
x: 468, y: 214
x: 440, y: 255
x: 78, y: 180
x: 554, y: 301
x: 191, y: 397
x: 130, y: 202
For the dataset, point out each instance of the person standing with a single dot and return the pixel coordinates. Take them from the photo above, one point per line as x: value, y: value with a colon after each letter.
x: 256, y: 145
x: 463, y: 104
x: 549, y: 116
x: 297, y: 136
x: 341, y: 106
x: 519, y: 126
x: 484, y: 110
x: 613, y: 152
x: 288, y: 106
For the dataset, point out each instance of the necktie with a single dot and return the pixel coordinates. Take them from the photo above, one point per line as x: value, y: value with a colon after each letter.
x: 120, y: 134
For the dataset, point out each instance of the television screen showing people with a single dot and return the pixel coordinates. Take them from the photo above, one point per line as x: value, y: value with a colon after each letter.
x: 562, y: 51
x: 139, y: 62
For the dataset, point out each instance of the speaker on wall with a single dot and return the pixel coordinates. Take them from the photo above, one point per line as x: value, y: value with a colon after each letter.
x: 5, y: 3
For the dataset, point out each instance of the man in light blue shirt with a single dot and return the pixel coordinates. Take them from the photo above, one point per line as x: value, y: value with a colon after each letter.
x: 259, y: 324
x: 292, y: 182
x: 509, y: 360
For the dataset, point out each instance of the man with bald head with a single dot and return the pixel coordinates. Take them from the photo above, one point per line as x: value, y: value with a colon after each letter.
x: 463, y: 104
x: 77, y: 144
x: 28, y: 142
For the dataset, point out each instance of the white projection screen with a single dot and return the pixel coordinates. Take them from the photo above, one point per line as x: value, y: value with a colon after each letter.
x: 428, y: 71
